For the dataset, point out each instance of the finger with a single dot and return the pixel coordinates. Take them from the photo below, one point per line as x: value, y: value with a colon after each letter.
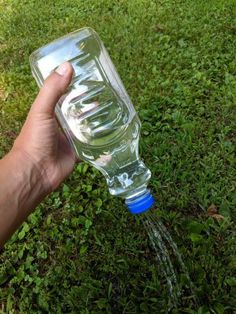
x: 53, y: 88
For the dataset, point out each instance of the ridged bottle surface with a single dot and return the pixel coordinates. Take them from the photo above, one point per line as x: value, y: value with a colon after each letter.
x: 96, y: 112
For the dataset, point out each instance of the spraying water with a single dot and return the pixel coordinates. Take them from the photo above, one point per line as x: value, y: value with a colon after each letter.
x: 164, y: 248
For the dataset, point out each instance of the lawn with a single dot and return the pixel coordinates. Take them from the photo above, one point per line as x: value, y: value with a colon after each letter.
x: 81, y: 251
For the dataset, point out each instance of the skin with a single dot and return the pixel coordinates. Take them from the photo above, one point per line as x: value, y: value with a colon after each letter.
x: 40, y: 159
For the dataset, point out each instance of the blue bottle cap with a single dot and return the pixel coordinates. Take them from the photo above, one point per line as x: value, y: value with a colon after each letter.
x: 140, y: 204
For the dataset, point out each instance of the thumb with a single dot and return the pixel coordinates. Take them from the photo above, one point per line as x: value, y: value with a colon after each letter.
x: 53, y: 88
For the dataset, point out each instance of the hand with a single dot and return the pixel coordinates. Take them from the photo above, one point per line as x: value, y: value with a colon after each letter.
x: 41, y: 157
x: 40, y: 140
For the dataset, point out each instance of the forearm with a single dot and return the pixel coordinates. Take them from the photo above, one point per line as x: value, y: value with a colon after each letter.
x: 21, y: 190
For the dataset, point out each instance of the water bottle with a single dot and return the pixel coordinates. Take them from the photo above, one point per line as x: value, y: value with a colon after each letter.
x: 97, y: 114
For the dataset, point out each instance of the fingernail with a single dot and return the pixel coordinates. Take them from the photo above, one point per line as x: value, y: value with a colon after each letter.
x: 63, y: 69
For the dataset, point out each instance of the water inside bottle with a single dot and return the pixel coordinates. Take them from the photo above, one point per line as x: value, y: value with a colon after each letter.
x: 96, y: 113
x: 105, y: 133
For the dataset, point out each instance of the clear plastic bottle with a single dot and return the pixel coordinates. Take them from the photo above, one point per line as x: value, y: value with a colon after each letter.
x: 97, y: 114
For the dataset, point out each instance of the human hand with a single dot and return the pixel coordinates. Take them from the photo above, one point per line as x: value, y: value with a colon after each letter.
x: 40, y: 140
x: 41, y: 157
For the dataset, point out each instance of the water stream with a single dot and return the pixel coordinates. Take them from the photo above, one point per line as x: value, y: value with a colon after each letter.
x: 166, y: 250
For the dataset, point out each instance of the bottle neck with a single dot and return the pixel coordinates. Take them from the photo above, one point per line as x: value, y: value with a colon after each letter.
x: 140, y: 203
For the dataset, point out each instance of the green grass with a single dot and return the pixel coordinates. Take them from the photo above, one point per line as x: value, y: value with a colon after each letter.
x: 81, y: 251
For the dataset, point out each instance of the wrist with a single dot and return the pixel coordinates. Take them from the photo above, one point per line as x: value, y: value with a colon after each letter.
x: 28, y: 177
x: 21, y: 190
x: 31, y: 168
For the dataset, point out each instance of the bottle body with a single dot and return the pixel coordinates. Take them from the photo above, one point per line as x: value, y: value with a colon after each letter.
x: 118, y: 159
x: 96, y: 112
